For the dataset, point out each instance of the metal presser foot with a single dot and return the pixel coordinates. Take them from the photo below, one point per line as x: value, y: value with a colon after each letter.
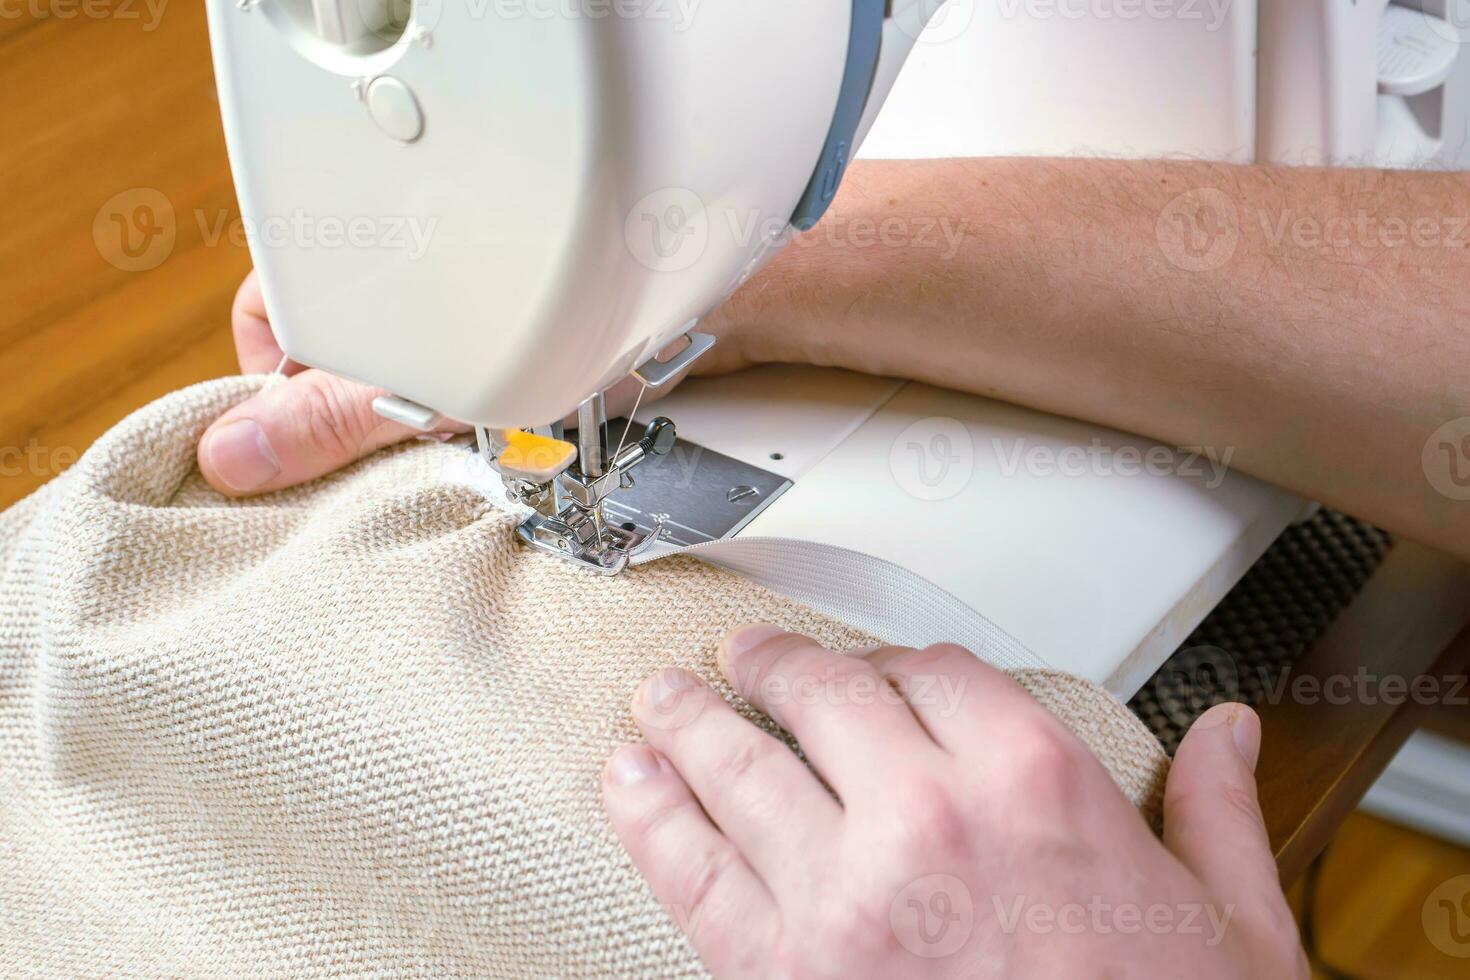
x: 566, y: 485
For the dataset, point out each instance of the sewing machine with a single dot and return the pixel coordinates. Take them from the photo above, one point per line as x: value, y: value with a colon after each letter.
x: 597, y: 178
x: 598, y: 184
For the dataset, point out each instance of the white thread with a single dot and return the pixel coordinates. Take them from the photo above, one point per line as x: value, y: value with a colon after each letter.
x: 636, y: 402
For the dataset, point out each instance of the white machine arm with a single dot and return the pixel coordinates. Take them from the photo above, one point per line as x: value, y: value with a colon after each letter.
x: 495, y: 211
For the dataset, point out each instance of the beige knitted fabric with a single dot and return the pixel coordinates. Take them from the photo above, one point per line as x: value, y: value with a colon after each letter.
x: 346, y: 729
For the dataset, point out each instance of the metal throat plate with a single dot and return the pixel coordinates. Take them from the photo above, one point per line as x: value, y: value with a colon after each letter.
x: 702, y: 495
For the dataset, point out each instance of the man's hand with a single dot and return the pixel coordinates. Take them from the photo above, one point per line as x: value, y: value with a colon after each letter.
x: 970, y: 834
x: 317, y: 423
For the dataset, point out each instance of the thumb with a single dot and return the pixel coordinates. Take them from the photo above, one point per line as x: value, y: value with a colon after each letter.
x: 1212, y: 817
x: 309, y: 425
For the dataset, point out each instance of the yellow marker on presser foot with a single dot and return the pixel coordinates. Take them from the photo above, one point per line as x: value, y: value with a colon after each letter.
x: 527, y: 456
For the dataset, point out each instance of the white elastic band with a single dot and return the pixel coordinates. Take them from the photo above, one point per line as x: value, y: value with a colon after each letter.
x: 871, y: 594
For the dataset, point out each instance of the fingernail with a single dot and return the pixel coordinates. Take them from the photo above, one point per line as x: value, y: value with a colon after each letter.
x: 747, y: 638
x: 667, y: 685
x: 632, y: 764
x: 1245, y: 729
x: 241, y: 456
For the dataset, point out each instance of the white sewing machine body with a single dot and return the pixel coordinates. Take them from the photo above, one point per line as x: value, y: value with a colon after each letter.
x: 597, y: 184
x: 1297, y: 82
x: 585, y: 187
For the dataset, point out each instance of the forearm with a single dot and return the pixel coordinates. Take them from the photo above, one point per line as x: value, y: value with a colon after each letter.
x: 1322, y: 332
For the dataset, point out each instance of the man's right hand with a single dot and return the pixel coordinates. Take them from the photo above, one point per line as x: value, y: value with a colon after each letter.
x: 969, y: 834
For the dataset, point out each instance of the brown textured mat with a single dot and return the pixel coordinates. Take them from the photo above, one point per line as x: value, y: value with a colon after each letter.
x: 1265, y: 624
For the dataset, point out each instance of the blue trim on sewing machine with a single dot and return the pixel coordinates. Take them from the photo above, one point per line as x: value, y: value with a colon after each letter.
x: 863, y: 44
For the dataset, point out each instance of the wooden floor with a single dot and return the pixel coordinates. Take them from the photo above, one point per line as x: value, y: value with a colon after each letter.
x: 107, y: 117
x: 1372, y: 890
x: 106, y: 110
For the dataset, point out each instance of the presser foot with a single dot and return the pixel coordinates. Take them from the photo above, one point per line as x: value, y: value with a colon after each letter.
x: 585, y: 539
x: 566, y: 486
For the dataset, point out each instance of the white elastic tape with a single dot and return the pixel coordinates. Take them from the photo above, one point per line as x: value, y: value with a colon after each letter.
x: 873, y: 595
